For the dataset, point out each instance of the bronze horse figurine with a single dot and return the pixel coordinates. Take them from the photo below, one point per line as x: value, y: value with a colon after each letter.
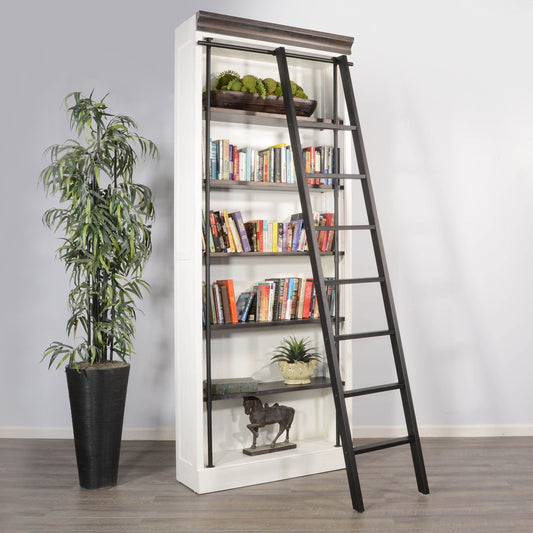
x: 262, y: 415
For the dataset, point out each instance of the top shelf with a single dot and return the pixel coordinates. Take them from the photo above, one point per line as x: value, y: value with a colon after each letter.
x: 242, y: 116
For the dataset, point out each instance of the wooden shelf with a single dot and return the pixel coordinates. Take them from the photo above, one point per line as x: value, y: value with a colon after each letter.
x: 259, y: 118
x: 270, y: 324
x: 225, y: 255
x: 276, y: 387
x: 264, y: 185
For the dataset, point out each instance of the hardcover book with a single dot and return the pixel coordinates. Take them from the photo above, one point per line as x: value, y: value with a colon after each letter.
x: 222, y: 387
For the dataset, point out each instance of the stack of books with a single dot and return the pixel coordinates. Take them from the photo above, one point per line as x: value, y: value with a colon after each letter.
x: 274, y: 164
x: 267, y: 301
x: 229, y: 233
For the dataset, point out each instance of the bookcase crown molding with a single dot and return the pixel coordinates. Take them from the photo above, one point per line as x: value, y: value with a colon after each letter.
x: 268, y: 31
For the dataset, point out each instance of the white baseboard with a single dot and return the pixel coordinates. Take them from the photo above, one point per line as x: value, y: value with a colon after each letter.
x: 503, y: 430
x: 66, y: 433
x: 362, y: 432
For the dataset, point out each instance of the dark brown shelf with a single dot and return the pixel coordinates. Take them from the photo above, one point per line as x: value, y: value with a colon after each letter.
x: 265, y: 254
x: 276, y: 387
x: 274, y: 323
x: 260, y: 118
x: 265, y: 185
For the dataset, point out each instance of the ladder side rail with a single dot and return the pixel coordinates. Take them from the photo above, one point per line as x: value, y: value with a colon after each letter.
x: 377, y: 242
x: 325, y: 319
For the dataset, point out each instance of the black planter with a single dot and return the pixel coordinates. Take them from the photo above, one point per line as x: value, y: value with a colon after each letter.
x: 97, y: 400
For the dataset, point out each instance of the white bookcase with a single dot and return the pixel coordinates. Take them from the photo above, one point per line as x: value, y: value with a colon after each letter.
x: 246, y: 352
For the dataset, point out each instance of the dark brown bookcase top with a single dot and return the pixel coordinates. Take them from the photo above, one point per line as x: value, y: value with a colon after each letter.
x: 277, y: 33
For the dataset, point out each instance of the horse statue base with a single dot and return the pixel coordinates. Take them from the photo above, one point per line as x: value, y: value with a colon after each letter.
x: 267, y: 448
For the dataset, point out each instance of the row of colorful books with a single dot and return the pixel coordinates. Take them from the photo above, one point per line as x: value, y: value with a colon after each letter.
x: 274, y: 164
x: 270, y: 300
x: 229, y: 233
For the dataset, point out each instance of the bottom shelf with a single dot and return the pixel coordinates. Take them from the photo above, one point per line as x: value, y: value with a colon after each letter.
x: 235, y: 469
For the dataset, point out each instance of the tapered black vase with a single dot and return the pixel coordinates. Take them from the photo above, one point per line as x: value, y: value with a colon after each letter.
x: 97, y: 401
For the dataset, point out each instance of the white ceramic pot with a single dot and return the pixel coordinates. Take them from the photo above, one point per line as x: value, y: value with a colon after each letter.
x: 297, y: 373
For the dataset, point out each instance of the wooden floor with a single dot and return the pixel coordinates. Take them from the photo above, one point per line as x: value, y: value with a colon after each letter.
x: 477, y: 485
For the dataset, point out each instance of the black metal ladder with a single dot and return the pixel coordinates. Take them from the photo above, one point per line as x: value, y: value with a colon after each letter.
x: 333, y: 338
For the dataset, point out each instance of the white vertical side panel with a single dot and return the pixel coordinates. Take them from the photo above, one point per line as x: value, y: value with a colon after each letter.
x: 188, y: 254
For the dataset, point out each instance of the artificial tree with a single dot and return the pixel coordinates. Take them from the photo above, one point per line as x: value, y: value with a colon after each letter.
x: 105, y: 217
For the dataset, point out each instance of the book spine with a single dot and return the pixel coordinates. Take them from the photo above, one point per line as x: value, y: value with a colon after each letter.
x: 214, y: 161
x: 225, y: 158
x: 237, y: 217
x: 246, y: 312
x: 236, y: 235
x: 306, y: 311
x: 259, y: 237
x: 269, y: 241
x: 271, y: 300
x: 214, y: 232
x: 327, y: 233
x: 295, y: 292
x: 225, y: 303
x: 252, y: 314
x: 222, y: 235
x: 231, y: 242
x: 301, y: 298
x: 283, y: 159
x: 220, y: 159
x: 228, y: 300
x: 275, y: 236
x: 230, y: 159
x: 277, y: 164
x: 232, y: 302
x: 263, y: 290
x: 217, y: 298
x: 289, y: 237
x: 302, y: 241
x: 241, y: 304
x: 289, y: 294
x: 297, y: 228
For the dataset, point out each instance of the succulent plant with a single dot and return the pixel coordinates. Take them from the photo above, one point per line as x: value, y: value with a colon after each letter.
x: 270, y: 85
x: 235, y: 85
x: 230, y: 80
x: 224, y: 78
x: 293, y: 350
x: 249, y: 81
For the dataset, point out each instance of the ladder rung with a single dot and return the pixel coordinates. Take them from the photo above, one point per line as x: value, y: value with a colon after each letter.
x: 349, y: 336
x: 325, y: 126
x: 350, y: 281
x: 372, y: 390
x: 336, y: 176
x: 381, y: 445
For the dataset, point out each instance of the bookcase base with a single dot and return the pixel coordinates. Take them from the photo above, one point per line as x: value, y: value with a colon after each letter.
x: 234, y: 469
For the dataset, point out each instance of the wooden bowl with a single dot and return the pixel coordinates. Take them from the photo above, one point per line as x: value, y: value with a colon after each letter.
x: 254, y: 102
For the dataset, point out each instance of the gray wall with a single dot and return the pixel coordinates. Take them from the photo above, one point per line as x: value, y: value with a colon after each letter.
x: 444, y: 91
